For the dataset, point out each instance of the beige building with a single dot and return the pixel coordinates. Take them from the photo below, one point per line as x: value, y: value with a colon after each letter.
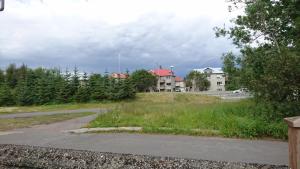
x: 165, y: 80
x: 215, y: 76
x: 179, y: 84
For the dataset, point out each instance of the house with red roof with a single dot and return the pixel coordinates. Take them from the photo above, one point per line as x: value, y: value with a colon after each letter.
x: 119, y: 75
x: 179, y: 84
x: 165, y: 79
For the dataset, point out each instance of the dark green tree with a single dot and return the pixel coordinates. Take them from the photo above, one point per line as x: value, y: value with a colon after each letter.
x: 83, y: 92
x: 2, y: 76
x: 143, y: 80
x: 65, y: 94
x: 11, y: 76
x: 126, y: 89
x: 97, y: 87
x: 230, y: 67
x: 6, y: 96
x: 197, y: 81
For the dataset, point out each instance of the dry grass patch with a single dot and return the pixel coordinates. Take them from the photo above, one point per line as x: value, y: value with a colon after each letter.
x: 9, y: 124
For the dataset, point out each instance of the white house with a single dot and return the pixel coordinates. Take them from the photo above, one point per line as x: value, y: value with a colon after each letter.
x: 215, y: 76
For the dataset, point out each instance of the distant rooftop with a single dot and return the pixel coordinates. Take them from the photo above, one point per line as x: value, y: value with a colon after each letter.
x: 119, y: 75
x: 216, y: 70
x: 161, y: 72
x: 178, y: 79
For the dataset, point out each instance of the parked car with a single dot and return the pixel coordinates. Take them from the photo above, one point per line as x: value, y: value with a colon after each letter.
x: 241, y: 90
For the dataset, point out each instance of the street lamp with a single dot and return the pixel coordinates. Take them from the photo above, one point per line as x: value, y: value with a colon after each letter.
x: 1, y: 5
x: 172, y: 67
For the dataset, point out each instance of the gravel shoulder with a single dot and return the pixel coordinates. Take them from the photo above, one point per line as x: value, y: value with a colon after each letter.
x: 12, y: 156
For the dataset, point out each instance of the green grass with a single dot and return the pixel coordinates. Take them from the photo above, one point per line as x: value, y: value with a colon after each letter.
x: 9, y: 124
x: 192, y: 115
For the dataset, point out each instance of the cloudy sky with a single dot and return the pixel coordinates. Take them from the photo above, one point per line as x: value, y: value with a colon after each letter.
x: 91, y: 34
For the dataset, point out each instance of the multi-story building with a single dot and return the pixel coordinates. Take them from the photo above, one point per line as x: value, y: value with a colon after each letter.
x: 215, y: 76
x: 179, y: 84
x: 165, y: 80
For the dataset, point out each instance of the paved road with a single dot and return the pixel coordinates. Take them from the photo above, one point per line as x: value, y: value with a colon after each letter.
x: 232, y: 150
x: 20, y: 115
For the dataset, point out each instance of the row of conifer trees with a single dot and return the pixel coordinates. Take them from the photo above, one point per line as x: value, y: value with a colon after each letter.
x: 25, y: 86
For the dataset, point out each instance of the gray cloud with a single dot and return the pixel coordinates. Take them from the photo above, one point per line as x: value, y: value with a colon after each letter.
x: 150, y: 41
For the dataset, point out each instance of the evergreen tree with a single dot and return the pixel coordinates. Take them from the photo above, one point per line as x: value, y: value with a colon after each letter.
x: 97, y: 89
x: 11, y: 76
x: 2, y: 77
x: 6, y: 96
x: 74, y: 83
x: 44, y: 88
x: 83, y: 92
x: 65, y: 91
x: 126, y: 89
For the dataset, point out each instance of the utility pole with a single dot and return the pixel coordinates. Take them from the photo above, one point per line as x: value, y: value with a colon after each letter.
x: 119, y: 63
x: 1, y: 5
x: 171, y: 67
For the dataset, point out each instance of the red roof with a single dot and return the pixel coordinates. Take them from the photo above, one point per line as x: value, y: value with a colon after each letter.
x: 161, y: 72
x: 119, y: 75
x: 178, y: 79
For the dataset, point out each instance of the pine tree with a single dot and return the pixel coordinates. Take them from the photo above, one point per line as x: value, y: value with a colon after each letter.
x: 11, y: 76
x: 44, y: 89
x: 126, y: 89
x: 83, y: 92
x: 74, y: 84
x: 2, y: 77
x: 65, y: 91
x: 6, y: 96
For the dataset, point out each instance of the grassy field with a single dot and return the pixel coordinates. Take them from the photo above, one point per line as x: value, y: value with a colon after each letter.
x: 192, y: 115
x: 8, y: 124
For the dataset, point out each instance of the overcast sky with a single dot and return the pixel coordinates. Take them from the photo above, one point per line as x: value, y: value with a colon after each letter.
x: 92, y: 33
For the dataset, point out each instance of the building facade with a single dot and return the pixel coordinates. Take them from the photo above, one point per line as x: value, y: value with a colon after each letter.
x: 215, y: 76
x: 179, y: 84
x: 165, y: 80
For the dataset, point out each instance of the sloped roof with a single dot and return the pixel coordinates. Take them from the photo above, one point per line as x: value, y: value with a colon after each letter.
x: 119, y: 75
x: 178, y: 79
x: 216, y: 70
x: 161, y: 72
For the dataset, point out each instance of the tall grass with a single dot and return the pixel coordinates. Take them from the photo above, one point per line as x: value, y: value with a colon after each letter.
x: 193, y: 115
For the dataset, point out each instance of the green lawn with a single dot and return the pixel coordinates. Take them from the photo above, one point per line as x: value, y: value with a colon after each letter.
x: 191, y: 114
x: 8, y: 124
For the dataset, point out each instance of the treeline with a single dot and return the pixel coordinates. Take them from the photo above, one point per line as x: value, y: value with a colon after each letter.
x: 26, y: 86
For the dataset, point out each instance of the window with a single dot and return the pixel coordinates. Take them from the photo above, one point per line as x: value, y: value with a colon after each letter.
x: 169, y: 84
x: 219, y: 83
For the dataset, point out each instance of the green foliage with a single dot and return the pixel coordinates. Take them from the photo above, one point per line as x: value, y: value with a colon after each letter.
x: 268, y: 36
x: 230, y: 63
x: 6, y: 96
x: 197, y: 81
x: 126, y: 90
x: 193, y: 115
x: 143, y: 80
x: 24, y: 86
